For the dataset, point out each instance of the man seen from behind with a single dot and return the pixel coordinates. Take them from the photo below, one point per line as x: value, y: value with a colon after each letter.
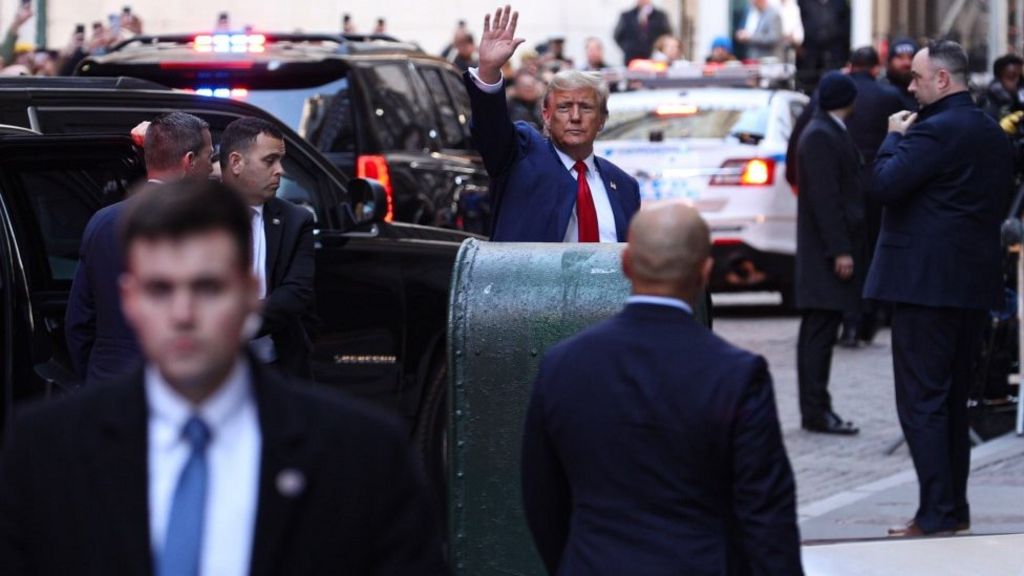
x: 651, y: 445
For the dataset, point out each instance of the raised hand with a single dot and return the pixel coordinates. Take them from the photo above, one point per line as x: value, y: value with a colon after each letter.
x: 497, y: 43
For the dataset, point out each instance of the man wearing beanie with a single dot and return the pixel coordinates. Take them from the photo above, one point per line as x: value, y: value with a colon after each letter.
x: 944, y: 177
x: 830, y: 214
x: 897, y: 71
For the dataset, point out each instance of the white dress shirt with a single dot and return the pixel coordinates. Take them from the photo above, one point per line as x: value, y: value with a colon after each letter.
x: 262, y: 347
x: 233, y: 462
x: 605, y: 216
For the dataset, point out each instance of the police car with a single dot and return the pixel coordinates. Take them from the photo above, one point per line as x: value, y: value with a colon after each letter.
x: 723, y: 149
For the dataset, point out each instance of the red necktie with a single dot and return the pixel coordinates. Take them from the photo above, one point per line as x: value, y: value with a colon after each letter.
x: 586, y: 214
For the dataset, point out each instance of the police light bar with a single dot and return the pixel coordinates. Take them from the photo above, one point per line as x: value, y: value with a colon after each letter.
x: 219, y: 92
x: 230, y: 43
x: 652, y: 74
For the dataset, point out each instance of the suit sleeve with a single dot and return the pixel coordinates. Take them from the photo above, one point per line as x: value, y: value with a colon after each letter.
x: 15, y: 502
x: 819, y: 183
x: 80, y: 317
x: 764, y: 493
x: 293, y: 296
x: 546, y: 494
x: 905, y: 163
x: 492, y: 129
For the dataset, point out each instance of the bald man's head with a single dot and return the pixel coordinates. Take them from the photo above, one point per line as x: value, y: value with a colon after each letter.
x: 669, y: 250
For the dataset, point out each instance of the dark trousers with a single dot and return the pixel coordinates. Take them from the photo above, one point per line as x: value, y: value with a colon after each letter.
x: 818, y: 332
x: 933, y: 351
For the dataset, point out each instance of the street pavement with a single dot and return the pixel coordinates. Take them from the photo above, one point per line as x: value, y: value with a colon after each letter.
x: 856, y: 487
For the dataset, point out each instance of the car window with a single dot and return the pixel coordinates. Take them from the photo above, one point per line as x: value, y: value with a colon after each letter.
x: 460, y: 98
x: 60, y: 202
x: 328, y: 121
x: 302, y: 109
x: 452, y: 134
x: 397, y: 115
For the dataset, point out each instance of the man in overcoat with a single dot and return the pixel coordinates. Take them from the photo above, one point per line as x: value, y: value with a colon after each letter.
x: 830, y: 215
x: 944, y: 176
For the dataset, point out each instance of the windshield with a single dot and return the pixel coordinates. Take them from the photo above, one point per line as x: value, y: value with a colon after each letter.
x: 689, y: 122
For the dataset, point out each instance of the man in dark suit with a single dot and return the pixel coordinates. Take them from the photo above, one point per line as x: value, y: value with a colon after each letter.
x: 251, y: 152
x: 944, y: 176
x: 546, y: 190
x: 638, y: 28
x: 830, y: 217
x: 205, y: 462
x: 100, y: 343
x: 868, y: 125
x: 651, y: 445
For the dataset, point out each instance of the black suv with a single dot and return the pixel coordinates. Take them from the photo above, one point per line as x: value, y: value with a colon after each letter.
x: 381, y: 288
x: 375, y: 107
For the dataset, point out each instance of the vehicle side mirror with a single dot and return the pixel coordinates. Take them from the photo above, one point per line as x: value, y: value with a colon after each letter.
x: 367, y: 205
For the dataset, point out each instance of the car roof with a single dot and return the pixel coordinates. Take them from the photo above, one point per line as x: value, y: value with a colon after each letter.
x: 708, y: 97
x: 56, y: 82
x: 275, y: 46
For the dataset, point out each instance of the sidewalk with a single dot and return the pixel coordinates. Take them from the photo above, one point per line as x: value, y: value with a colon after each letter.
x: 853, y: 487
x: 995, y: 491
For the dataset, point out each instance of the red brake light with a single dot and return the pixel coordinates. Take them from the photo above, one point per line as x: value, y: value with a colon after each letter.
x: 376, y: 167
x: 746, y: 172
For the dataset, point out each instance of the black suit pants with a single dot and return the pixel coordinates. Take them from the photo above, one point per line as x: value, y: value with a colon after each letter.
x: 933, y: 351
x: 818, y: 333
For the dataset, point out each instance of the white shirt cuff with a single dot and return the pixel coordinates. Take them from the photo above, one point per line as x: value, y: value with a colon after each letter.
x: 474, y: 73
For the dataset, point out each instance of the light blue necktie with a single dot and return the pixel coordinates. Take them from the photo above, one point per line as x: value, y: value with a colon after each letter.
x: 184, y: 538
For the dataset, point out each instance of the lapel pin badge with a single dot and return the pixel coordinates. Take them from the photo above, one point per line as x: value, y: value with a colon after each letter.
x: 276, y: 222
x: 614, y: 187
x: 290, y: 482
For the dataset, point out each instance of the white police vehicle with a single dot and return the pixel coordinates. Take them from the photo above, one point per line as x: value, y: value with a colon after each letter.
x: 723, y: 149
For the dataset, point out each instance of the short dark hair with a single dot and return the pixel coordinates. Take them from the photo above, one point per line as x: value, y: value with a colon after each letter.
x: 1001, y: 63
x: 179, y: 209
x: 864, y: 58
x: 242, y: 133
x: 950, y: 56
x: 171, y: 136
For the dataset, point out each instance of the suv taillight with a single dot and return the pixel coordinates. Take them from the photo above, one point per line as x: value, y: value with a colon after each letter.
x: 746, y: 172
x: 376, y: 167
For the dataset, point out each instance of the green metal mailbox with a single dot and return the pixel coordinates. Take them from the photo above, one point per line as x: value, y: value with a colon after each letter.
x: 509, y: 302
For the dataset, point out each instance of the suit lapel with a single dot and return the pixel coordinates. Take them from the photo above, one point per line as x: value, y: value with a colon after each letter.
x: 283, y: 471
x: 273, y: 228
x: 566, y: 201
x: 614, y: 199
x: 120, y: 470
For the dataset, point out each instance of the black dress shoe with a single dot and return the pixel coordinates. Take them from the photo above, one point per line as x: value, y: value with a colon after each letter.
x: 830, y: 424
x: 848, y: 341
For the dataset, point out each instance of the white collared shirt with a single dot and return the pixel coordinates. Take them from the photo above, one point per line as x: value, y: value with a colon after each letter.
x: 660, y: 301
x: 259, y: 248
x: 606, y: 230
x: 262, y: 347
x: 233, y: 461
x: 838, y: 121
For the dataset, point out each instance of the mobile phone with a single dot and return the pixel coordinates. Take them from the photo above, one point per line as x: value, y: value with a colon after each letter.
x: 79, y: 28
x: 127, y: 10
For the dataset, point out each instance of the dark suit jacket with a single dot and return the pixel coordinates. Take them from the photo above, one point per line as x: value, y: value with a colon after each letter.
x: 869, y: 122
x: 830, y: 215
x: 100, y: 342
x: 290, y: 266
x: 652, y: 446
x: 636, y: 41
x: 827, y: 27
x: 946, y: 186
x: 74, y: 495
x: 532, y: 193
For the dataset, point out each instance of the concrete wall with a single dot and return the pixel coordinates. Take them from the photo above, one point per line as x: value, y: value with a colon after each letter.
x: 428, y: 23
